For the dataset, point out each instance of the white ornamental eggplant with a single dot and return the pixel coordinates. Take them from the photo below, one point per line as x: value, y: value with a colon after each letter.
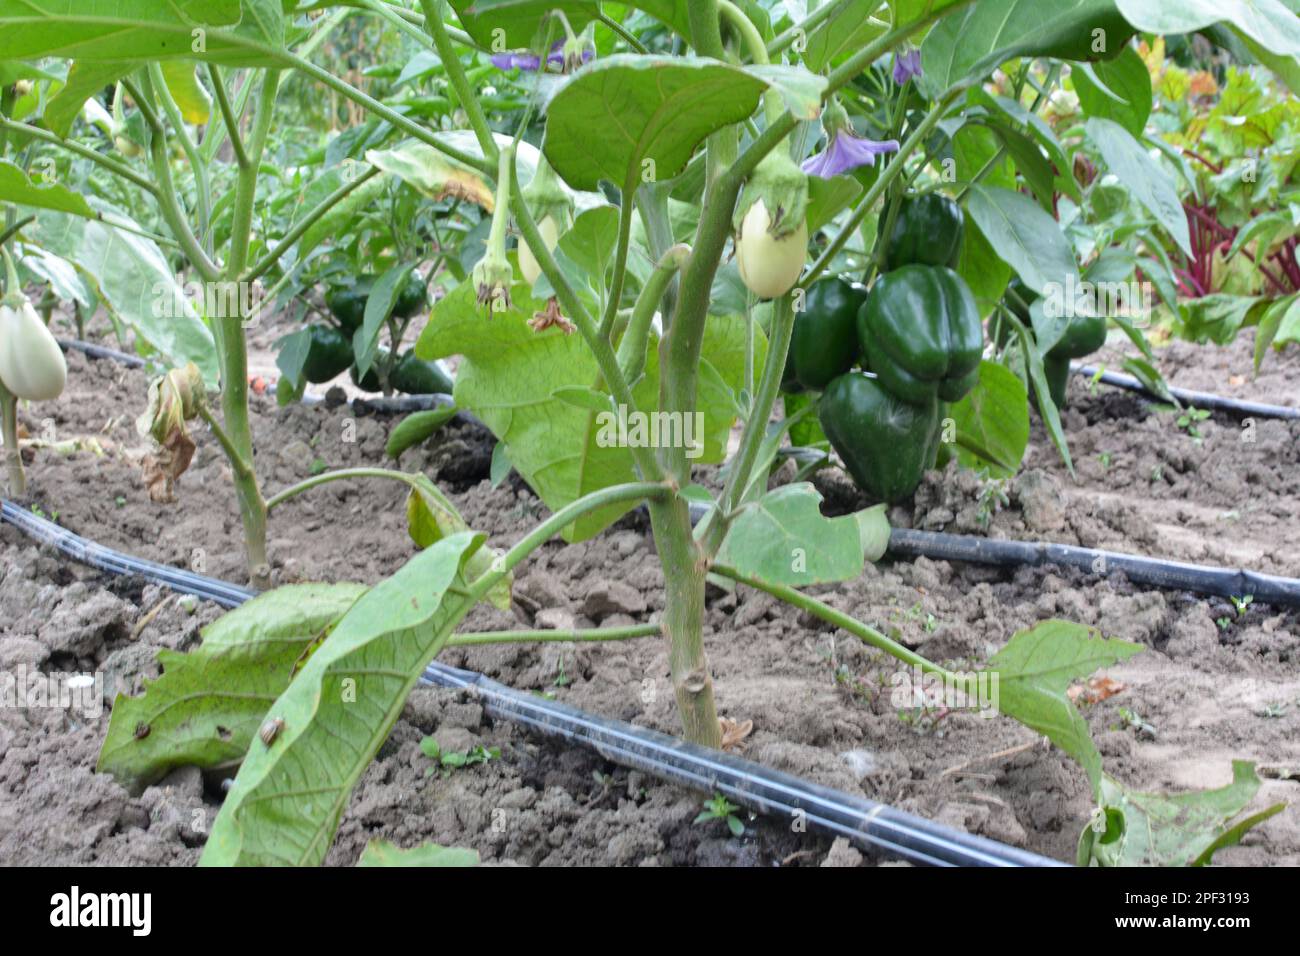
x: 31, y: 362
x: 528, y: 263
x: 769, y: 267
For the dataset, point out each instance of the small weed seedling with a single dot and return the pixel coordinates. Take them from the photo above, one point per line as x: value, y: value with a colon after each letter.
x: 1241, y: 603
x: 1132, y: 720
x: 1188, y: 419
x: 720, y: 808
x: 993, y: 498
x: 448, y: 761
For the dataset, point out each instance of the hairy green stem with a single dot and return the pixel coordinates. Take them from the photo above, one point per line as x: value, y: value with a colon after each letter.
x: 577, y: 312
x: 342, y: 474
x: 203, y: 193
x: 621, y: 32
x: 626, y: 211
x: 228, y: 116
x: 594, y: 635
x: 685, y: 566
x: 558, y: 521
x: 804, y: 27
x: 434, y: 10
x: 405, y: 124
x: 9, y: 432
x: 99, y: 159
x: 268, y: 261
x: 232, y: 350
x: 169, y: 204
x: 868, y: 635
x: 242, y: 468
x: 751, y: 439
x: 632, y: 350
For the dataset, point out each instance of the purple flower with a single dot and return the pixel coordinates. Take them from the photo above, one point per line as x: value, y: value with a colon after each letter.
x: 845, y: 152
x: 906, y: 66
x: 527, y: 61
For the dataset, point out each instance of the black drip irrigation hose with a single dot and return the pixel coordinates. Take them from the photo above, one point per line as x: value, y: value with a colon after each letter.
x: 765, y: 791
x: 1205, y: 400
x: 1152, y: 572
x: 381, y: 405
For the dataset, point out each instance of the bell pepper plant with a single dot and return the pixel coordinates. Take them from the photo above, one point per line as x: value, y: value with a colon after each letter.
x: 568, y: 203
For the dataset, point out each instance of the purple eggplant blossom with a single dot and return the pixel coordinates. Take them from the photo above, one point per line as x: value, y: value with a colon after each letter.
x: 906, y: 66
x: 528, y: 61
x: 845, y: 152
x: 559, y: 59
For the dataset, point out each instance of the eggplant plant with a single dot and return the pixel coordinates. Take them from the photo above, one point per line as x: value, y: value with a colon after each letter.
x: 615, y: 348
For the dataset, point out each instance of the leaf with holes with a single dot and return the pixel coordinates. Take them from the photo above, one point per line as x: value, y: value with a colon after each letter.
x: 206, y: 707
x: 289, y: 795
x: 783, y: 538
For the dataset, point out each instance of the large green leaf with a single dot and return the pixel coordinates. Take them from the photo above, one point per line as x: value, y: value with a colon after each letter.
x: 974, y: 147
x: 1142, y: 176
x: 230, y: 31
x: 519, y: 382
x: 1118, y: 89
x: 289, y: 795
x: 1268, y: 23
x: 968, y: 44
x: 207, y: 705
x: 1036, y: 669
x: 520, y: 20
x: 1279, y: 325
x: 85, y: 79
x: 628, y: 119
x: 16, y: 188
x: 783, y: 538
x: 1037, y: 127
x: 992, y: 422
x: 909, y: 11
x: 134, y: 281
x: 844, y: 32
x: 1218, y: 317
x: 1183, y: 829
x: 1024, y: 236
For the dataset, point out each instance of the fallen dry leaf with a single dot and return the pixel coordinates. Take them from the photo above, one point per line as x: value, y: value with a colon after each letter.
x: 1095, y: 691
x: 733, y: 732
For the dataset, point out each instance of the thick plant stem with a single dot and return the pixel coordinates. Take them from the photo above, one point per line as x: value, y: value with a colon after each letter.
x: 685, y: 565
x: 233, y: 352
x: 13, y: 455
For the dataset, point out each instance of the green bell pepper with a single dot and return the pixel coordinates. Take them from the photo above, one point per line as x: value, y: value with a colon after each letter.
x: 1083, y: 335
x: 927, y: 231
x: 885, y: 443
x: 921, y: 334
x: 348, y: 303
x: 328, y: 354
x: 824, y: 341
x: 415, y: 376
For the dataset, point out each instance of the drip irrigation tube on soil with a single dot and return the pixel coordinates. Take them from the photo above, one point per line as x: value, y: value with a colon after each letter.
x: 765, y: 791
x: 1205, y: 400
x: 1153, y: 572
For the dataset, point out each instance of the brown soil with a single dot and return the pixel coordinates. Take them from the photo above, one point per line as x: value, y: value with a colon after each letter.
x: 819, y: 699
